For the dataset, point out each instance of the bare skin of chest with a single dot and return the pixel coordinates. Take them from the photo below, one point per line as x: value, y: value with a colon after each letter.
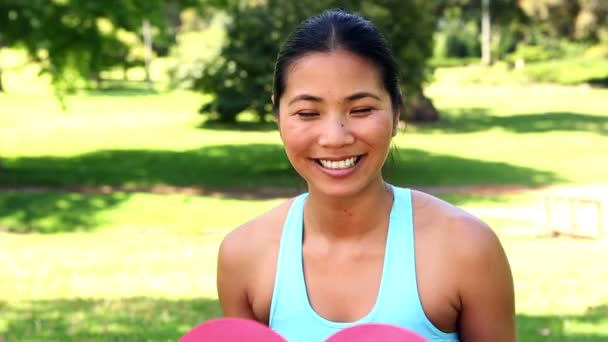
x: 343, y: 285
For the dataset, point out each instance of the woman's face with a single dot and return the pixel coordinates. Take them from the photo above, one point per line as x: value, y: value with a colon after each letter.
x: 336, y: 122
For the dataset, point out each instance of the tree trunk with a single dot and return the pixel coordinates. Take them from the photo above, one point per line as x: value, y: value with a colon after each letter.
x: 148, y: 49
x: 486, y: 33
x: 421, y: 109
x: 98, y: 80
x: 1, y: 84
x: 172, y: 13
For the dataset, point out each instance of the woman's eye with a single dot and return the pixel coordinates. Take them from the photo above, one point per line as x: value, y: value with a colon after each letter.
x: 363, y: 110
x: 307, y: 115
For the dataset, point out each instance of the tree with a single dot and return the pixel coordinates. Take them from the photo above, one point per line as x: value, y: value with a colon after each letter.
x: 570, y: 19
x: 241, y: 77
x: 74, y: 40
x: 468, y: 33
x: 409, y: 27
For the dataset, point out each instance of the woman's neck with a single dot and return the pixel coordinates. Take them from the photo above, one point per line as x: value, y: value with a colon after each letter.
x: 347, y: 218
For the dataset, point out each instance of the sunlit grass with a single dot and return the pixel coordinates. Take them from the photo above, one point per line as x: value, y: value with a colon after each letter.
x: 143, y: 283
x: 135, y: 266
x: 47, y: 212
x: 535, y: 136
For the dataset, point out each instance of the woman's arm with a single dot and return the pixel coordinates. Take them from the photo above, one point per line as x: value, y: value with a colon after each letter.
x: 233, y: 270
x: 486, y: 287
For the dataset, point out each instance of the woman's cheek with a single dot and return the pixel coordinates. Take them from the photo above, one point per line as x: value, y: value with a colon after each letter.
x: 298, y: 133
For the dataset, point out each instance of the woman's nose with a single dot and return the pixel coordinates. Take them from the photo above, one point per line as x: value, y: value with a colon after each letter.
x: 335, y: 133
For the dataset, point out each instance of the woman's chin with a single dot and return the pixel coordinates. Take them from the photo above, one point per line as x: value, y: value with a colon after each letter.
x: 338, y: 189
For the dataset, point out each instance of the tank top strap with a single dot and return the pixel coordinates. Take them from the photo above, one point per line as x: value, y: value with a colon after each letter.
x: 289, y: 291
x: 399, y: 278
x: 401, y: 302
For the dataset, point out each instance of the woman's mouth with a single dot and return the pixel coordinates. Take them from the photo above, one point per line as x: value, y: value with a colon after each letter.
x: 342, y: 164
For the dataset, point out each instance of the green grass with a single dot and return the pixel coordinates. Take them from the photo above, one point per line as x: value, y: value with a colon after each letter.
x: 124, y: 319
x: 54, y: 212
x: 151, y: 283
x: 505, y: 135
x: 136, y: 267
x: 129, y: 285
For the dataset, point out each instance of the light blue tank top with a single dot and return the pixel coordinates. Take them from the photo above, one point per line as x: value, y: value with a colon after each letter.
x: 398, y: 303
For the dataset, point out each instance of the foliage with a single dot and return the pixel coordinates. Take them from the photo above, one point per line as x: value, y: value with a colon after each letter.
x: 593, y: 71
x: 198, y: 41
x: 241, y: 77
x: 584, y: 20
x: 457, y: 39
x: 532, y: 53
x: 459, y: 27
x: 565, y: 71
x: 537, y: 28
x: 74, y: 40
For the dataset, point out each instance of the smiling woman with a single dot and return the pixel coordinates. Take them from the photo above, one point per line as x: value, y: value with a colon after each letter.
x: 354, y: 249
x: 336, y: 122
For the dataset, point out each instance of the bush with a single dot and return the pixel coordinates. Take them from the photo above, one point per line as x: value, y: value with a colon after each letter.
x: 531, y: 53
x: 504, y: 42
x: 457, y: 40
x: 569, y: 71
x: 597, y: 51
x: 241, y: 77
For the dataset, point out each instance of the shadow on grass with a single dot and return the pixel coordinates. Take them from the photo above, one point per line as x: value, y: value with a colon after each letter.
x: 129, y: 319
x: 247, y: 167
x: 238, y: 171
x: 413, y: 167
x: 469, y: 120
x: 599, y: 82
x: 24, y: 212
x: 146, y: 319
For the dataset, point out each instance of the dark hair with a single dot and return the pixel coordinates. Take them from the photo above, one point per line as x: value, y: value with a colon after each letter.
x: 334, y: 30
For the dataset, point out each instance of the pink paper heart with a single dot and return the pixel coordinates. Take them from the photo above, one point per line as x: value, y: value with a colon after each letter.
x: 239, y: 329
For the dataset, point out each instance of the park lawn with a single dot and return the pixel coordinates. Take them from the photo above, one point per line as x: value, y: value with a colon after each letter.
x: 64, y: 212
x: 126, y: 266
x: 527, y: 135
x: 154, y: 278
x: 491, y: 135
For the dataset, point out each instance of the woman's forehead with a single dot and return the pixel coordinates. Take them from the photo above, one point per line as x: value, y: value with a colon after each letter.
x: 334, y: 72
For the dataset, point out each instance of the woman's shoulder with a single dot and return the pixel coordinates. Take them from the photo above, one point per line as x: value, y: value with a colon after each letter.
x: 446, y: 224
x: 468, y: 256
x: 256, y: 236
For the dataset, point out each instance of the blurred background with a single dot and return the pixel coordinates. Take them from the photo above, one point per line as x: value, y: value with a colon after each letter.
x: 135, y: 134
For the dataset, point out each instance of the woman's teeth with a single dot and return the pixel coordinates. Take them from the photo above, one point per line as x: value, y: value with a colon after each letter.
x: 339, y: 164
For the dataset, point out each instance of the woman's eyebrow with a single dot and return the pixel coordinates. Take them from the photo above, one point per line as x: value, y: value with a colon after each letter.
x: 305, y: 97
x: 362, y: 94
x: 350, y: 98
